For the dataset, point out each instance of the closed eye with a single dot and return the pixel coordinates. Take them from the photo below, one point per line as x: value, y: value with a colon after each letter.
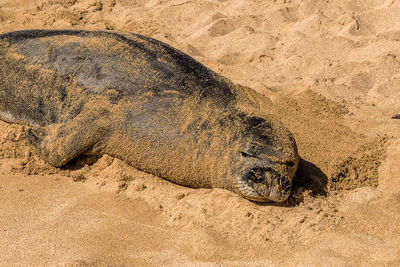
x: 246, y: 155
x: 289, y: 163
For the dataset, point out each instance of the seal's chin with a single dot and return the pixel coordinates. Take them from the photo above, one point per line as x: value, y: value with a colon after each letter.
x: 262, y: 184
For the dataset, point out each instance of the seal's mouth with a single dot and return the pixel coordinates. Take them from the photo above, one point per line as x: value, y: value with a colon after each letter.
x: 264, y: 184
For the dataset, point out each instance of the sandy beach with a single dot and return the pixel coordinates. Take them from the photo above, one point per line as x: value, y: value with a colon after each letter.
x: 331, y: 70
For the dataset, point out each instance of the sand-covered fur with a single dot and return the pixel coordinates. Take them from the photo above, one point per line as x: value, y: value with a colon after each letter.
x: 146, y: 103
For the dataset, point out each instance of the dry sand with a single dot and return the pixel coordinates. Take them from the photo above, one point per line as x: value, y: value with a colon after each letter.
x: 331, y: 70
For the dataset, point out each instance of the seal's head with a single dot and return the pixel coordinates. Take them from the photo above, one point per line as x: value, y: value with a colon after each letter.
x: 266, y: 181
x: 267, y: 161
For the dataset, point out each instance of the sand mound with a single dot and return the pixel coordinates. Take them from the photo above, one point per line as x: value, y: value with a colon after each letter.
x: 330, y: 71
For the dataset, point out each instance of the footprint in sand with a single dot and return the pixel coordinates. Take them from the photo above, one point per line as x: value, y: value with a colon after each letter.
x: 222, y: 27
x: 230, y: 58
x: 355, y: 27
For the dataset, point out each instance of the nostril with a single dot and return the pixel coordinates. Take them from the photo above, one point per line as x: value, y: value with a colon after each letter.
x: 251, y: 177
x: 258, y: 176
x: 286, y: 184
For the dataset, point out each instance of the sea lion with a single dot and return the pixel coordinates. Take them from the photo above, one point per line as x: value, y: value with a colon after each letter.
x: 146, y: 103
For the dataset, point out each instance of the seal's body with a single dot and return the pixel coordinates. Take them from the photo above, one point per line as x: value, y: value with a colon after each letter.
x: 145, y: 103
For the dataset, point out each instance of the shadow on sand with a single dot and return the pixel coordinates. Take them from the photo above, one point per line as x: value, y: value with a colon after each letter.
x: 309, y: 180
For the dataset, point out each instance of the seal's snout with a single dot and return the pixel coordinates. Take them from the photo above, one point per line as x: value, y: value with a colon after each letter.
x: 264, y: 184
x: 280, y: 189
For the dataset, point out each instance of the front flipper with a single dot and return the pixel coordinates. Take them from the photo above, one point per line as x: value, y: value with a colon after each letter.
x: 57, y: 144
